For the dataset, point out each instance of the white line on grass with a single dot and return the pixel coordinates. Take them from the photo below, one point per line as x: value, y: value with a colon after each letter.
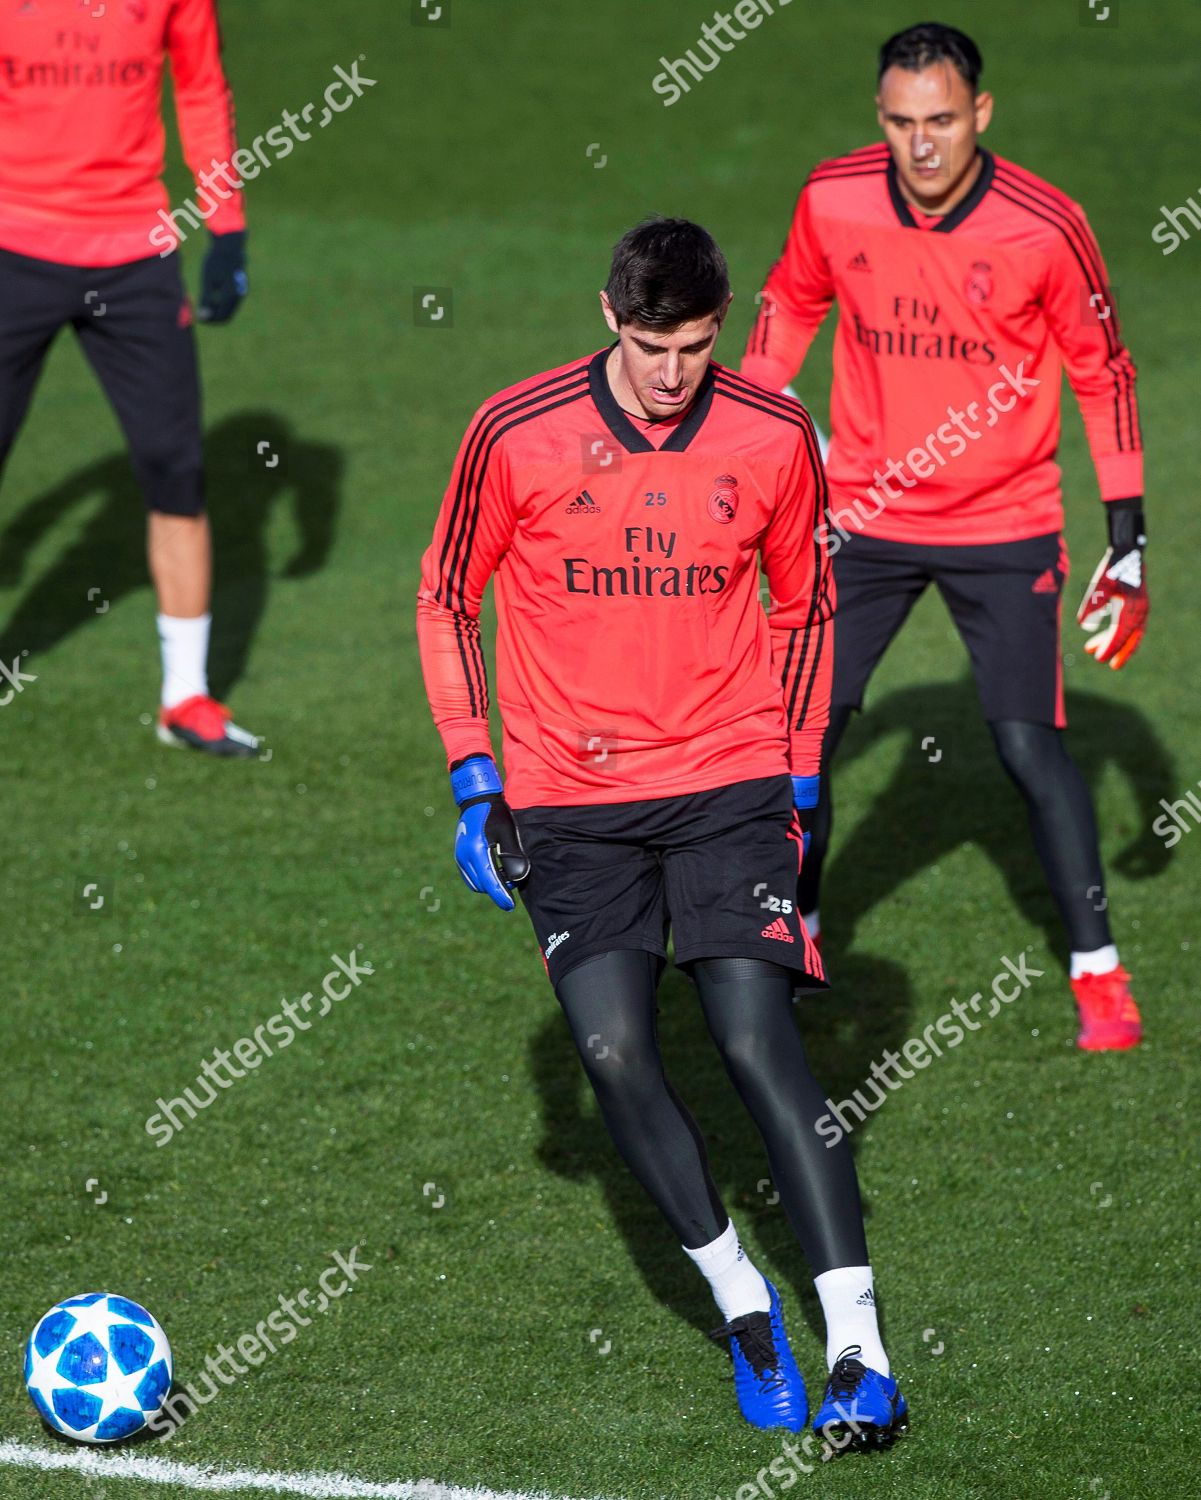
x: 230, y: 1481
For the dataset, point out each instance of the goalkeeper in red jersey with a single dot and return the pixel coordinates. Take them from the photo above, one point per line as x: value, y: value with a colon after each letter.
x: 965, y: 285
x: 84, y: 243
x: 661, y: 744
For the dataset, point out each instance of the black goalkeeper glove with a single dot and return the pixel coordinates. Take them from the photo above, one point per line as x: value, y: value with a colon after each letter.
x: 223, y: 281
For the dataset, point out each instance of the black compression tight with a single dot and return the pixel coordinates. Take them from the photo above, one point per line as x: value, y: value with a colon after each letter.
x: 609, y: 1002
x: 1061, y: 817
x: 1063, y: 824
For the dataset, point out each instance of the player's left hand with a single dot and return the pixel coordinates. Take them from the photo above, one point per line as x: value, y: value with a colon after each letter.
x: 805, y: 790
x: 1115, y: 607
x: 223, y: 281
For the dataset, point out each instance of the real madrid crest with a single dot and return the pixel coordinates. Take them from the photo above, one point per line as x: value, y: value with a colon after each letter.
x: 723, y: 502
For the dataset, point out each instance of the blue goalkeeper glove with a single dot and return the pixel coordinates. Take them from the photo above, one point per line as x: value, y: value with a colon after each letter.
x: 487, y: 845
x: 223, y: 281
x: 805, y: 791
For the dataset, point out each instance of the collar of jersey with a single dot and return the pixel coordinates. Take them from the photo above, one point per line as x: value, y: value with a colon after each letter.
x: 961, y: 209
x: 624, y: 430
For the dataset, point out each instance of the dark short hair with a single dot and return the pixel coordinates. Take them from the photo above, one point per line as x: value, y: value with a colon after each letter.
x: 666, y: 272
x: 917, y: 47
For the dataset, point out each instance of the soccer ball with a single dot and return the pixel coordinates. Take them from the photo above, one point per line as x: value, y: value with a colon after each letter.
x: 98, y: 1368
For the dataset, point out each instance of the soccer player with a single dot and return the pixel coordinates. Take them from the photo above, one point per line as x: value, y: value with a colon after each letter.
x: 965, y: 285
x: 81, y: 244
x: 661, y: 732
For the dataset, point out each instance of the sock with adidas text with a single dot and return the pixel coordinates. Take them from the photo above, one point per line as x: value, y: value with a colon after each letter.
x: 849, y: 1304
x: 736, y: 1285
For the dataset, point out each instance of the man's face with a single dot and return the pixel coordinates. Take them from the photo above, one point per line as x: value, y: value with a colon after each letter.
x: 931, y: 120
x: 664, y: 370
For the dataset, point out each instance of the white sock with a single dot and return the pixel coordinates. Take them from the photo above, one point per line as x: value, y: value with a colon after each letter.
x: 813, y: 922
x: 185, y: 649
x: 849, y: 1304
x: 737, y: 1287
x: 1099, y: 961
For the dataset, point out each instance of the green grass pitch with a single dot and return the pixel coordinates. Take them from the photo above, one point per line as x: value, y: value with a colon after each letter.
x: 527, y: 1322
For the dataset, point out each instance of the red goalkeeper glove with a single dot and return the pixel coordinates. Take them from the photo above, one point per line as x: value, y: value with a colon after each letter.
x: 1115, y: 606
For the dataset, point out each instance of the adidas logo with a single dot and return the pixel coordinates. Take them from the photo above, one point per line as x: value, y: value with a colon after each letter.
x: 858, y: 263
x: 778, y: 930
x: 1128, y: 570
x: 1045, y: 583
x: 583, y: 505
x: 866, y: 1299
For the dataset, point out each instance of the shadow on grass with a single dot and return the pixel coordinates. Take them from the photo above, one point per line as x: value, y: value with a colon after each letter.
x: 927, y: 810
x: 107, y: 560
x: 948, y: 788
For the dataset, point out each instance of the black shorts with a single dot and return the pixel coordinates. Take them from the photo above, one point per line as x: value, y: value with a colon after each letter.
x: 1005, y: 598
x: 135, y: 327
x: 718, y: 867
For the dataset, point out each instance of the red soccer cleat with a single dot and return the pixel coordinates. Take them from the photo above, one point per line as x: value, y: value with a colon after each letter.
x: 1109, y: 1018
x: 201, y: 723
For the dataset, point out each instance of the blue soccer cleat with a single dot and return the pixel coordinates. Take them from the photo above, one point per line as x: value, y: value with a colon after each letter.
x: 767, y: 1382
x: 862, y: 1408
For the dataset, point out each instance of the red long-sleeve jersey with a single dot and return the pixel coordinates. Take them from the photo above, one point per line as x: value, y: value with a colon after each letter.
x: 949, y: 350
x: 634, y: 655
x: 81, y: 129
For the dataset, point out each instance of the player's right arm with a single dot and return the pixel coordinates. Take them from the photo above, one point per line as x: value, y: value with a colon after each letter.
x: 474, y: 528
x: 796, y: 297
x: 472, y: 533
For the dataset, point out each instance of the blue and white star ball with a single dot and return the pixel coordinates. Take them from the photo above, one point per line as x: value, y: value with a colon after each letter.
x: 98, y: 1368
